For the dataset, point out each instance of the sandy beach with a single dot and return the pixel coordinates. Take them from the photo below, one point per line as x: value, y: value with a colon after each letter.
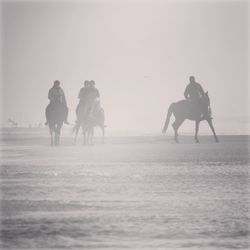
x: 138, y: 192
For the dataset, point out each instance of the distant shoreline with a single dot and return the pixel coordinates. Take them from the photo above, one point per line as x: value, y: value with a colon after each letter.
x: 30, y: 138
x: 66, y: 132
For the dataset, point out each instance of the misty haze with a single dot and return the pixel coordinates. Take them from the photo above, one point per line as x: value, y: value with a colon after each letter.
x: 124, y: 124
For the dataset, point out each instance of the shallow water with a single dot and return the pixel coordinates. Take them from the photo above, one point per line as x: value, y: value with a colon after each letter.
x: 125, y: 206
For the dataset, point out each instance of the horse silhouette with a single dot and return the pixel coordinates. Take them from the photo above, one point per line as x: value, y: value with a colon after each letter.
x: 184, y: 109
x: 56, y: 115
x: 88, y: 122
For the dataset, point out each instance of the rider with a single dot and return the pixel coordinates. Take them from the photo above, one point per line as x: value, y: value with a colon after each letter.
x: 194, y: 91
x: 92, y: 97
x: 56, y: 94
x: 82, y: 95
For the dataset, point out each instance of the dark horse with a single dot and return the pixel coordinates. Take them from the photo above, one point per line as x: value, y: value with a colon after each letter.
x: 88, y: 123
x: 56, y: 116
x: 184, y: 109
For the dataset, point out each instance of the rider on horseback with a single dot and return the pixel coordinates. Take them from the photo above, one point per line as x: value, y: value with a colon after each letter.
x: 194, y: 93
x: 89, y: 98
x: 82, y: 96
x: 92, y: 98
x: 56, y: 95
x: 195, y: 108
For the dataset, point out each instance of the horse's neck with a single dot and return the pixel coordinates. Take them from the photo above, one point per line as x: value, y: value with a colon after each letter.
x: 204, y: 102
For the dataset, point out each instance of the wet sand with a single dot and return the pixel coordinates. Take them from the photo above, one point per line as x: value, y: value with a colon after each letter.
x: 143, y: 192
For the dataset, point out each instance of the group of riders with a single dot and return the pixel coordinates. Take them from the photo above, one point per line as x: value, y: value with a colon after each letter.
x: 89, y: 100
x: 89, y: 97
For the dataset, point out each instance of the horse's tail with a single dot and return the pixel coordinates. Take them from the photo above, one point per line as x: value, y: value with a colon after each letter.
x: 170, y: 111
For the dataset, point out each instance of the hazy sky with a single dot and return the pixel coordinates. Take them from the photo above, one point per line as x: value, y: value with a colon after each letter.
x: 140, y: 53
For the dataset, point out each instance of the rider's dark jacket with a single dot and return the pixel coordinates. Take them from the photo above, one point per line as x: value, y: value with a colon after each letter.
x: 82, y: 94
x: 91, y: 94
x: 88, y: 94
x: 193, y: 92
x: 57, y: 94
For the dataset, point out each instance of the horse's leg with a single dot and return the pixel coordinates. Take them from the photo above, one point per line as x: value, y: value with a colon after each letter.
x: 212, y: 128
x: 197, y: 124
x: 51, y: 137
x: 175, y: 132
x: 57, y: 134
x: 84, y: 134
x: 177, y: 123
x: 91, y: 136
x: 86, y: 137
x: 76, y: 133
x: 56, y: 139
x: 51, y: 129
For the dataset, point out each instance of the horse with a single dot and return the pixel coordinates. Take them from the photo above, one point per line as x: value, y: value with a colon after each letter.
x: 55, y: 115
x: 95, y: 120
x: 184, y: 109
x: 88, y: 122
